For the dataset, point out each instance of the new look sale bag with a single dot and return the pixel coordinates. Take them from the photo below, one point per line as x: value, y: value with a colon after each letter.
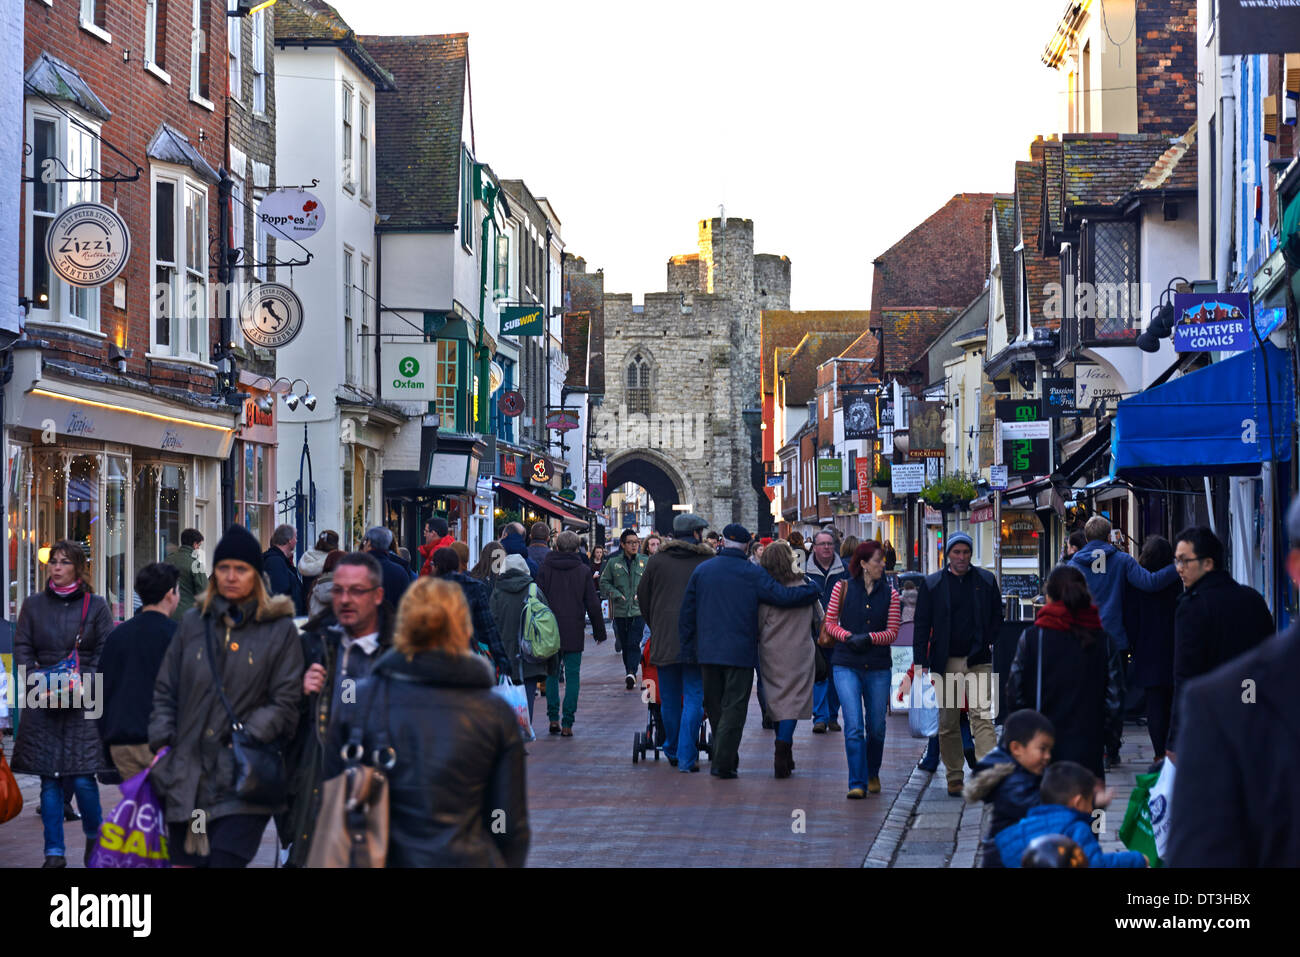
x: 135, y: 833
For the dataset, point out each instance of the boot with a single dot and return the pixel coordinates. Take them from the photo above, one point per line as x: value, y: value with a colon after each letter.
x: 783, y: 760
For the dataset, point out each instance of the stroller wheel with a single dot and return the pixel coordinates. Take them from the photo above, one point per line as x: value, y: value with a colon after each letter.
x: 636, y: 747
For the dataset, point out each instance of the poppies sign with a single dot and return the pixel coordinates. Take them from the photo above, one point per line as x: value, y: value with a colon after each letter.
x: 292, y: 213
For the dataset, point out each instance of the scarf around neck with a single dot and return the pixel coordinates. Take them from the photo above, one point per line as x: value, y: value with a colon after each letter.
x: 1057, y: 617
x: 65, y: 591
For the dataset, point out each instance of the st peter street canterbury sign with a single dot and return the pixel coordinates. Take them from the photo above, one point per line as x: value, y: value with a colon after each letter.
x: 87, y: 244
x: 270, y: 315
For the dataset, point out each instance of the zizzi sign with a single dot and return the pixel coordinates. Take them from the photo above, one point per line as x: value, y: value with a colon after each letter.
x: 409, y: 370
x: 87, y: 245
x: 293, y: 213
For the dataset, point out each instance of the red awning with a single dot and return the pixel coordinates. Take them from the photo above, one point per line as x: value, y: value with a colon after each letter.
x: 540, y: 502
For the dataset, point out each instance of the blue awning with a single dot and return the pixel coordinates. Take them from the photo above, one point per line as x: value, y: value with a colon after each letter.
x: 1214, y: 421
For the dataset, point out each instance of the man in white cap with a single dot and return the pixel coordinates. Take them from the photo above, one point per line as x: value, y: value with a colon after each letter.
x: 958, y: 614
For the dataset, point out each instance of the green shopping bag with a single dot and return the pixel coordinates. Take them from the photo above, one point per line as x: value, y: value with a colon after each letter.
x: 1136, y: 831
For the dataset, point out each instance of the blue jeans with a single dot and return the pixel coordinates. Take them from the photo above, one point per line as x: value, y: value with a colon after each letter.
x: 681, y: 702
x: 826, y: 702
x: 52, y: 810
x: 785, y: 730
x: 864, y: 741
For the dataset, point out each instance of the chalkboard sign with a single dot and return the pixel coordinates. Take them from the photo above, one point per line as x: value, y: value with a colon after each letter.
x: 1022, y: 586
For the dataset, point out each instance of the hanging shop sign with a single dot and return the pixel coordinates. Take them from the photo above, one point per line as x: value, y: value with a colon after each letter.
x: 906, y: 479
x: 925, y: 431
x: 828, y: 476
x: 511, y: 403
x: 859, y: 414
x: 522, y: 321
x: 981, y: 513
x: 539, y: 470
x: 562, y: 420
x: 1093, y: 381
x: 568, y: 494
x: 509, y: 465
x: 775, y: 481
x: 294, y: 213
x: 1212, y: 322
x: 862, y: 470
x: 88, y: 244
x: 408, y: 370
x: 1024, y: 436
x: 1059, y: 395
x: 1258, y: 26
x: 270, y: 315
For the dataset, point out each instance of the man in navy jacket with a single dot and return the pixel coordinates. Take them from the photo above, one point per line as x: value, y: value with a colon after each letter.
x: 718, y: 627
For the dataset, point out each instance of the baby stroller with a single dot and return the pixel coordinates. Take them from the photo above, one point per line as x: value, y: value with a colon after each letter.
x: 652, y: 738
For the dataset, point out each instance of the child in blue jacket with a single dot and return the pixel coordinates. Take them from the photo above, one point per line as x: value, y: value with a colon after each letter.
x: 1009, y: 776
x: 1067, y: 794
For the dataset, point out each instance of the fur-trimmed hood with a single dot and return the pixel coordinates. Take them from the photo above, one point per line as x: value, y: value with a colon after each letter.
x: 277, y: 607
x: 685, y: 547
x: 983, y: 783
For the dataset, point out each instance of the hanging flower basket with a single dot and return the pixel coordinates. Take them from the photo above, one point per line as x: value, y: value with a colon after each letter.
x: 950, y: 492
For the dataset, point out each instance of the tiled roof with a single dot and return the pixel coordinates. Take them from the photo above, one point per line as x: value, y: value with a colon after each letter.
x: 1099, y: 169
x: 800, y: 365
x: 1175, y: 168
x: 942, y: 261
x: 315, y: 22
x: 418, y: 129
x: 784, y: 328
x: 909, y: 332
x: 1052, y: 216
x: 1004, y: 213
x: 864, y: 346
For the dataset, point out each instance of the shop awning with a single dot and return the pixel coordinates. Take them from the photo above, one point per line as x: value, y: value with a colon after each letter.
x: 544, y: 504
x: 1214, y: 421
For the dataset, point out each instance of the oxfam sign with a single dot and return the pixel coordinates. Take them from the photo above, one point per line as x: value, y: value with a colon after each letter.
x: 409, y: 369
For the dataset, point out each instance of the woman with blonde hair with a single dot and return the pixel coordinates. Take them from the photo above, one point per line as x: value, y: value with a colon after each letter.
x: 452, y: 749
x: 786, y: 649
x: 60, y: 741
x: 235, y: 660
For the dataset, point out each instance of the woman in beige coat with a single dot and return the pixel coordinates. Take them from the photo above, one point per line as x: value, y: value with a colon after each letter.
x: 786, y: 650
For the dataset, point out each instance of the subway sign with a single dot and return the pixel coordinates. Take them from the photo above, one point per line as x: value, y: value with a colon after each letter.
x: 522, y: 321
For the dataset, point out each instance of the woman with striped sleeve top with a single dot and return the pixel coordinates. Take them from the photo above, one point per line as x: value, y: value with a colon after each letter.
x: 864, y: 615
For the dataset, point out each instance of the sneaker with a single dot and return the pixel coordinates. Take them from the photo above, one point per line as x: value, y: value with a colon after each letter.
x: 833, y: 726
x: 631, y: 682
x: 819, y: 727
x: 856, y: 794
x: 554, y: 728
x: 873, y: 785
x: 55, y: 860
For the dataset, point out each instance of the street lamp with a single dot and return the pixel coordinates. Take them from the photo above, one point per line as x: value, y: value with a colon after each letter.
x: 291, y: 399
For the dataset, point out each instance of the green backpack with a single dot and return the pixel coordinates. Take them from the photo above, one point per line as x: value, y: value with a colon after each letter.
x: 539, y: 632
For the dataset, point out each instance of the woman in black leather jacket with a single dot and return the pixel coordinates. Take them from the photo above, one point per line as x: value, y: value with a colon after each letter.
x: 456, y: 789
x: 1080, y: 671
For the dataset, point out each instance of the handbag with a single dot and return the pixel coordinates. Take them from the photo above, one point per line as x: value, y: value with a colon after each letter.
x: 66, y: 672
x: 11, y: 799
x: 352, y: 825
x: 824, y: 638
x: 260, y: 776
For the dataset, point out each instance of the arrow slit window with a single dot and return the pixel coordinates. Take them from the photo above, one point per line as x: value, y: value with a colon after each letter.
x: 638, y: 385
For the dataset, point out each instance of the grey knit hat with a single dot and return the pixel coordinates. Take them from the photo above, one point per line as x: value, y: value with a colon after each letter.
x: 958, y: 538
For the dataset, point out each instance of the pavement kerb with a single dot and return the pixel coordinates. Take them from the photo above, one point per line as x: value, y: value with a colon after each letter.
x: 890, y: 836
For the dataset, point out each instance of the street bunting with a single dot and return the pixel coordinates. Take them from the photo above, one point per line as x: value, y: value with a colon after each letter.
x: 859, y: 414
x: 1212, y: 322
x: 522, y: 321
x: 407, y: 369
x: 828, y: 476
x: 906, y: 479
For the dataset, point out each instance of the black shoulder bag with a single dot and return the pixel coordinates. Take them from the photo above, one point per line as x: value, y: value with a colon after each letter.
x: 260, y: 776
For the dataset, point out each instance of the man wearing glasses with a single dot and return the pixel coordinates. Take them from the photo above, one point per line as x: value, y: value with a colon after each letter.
x: 1216, y: 620
x: 340, y: 646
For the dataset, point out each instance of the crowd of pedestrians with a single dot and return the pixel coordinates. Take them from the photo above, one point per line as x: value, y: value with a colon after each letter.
x: 407, y: 671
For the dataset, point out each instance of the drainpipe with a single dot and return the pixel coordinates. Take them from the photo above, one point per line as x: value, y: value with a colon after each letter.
x: 489, y: 197
x: 1227, y: 178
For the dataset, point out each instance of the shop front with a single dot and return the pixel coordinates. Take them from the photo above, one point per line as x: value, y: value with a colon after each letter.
x: 122, y: 472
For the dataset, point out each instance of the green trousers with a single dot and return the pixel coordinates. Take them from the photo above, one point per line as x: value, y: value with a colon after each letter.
x: 571, y: 662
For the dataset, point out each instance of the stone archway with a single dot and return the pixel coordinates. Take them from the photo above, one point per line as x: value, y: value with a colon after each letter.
x: 657, y: 476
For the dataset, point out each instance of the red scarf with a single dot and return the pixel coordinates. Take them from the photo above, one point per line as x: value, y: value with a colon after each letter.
x: 1057, y: 617
x: 65, y: 591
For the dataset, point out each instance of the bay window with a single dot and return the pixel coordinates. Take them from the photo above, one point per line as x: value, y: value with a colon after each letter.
x: 62, y: 148
x: 180, y: 259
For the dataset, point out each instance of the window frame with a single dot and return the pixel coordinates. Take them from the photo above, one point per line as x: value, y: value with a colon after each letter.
x: 363, y: 148
x: 155, y: 11
x: 199, y: 55
x: 258, y: 62
x: 347, y: 132
x: 349, y: 359
x: 62, y: 295
x: 234, y: 55
x: 91, y: 16
x: 261, y: 239
x: 447, y: 403
x: 466, y: 200
x: 366, y: 385
x: 183, y: 329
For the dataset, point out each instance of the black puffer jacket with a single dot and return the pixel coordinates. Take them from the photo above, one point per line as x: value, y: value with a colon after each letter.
x: 59, y: 741
x: 260, y: 661
x: 457, y: 796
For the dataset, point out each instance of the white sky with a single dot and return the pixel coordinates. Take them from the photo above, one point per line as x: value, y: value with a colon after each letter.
x: 835, y: 126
